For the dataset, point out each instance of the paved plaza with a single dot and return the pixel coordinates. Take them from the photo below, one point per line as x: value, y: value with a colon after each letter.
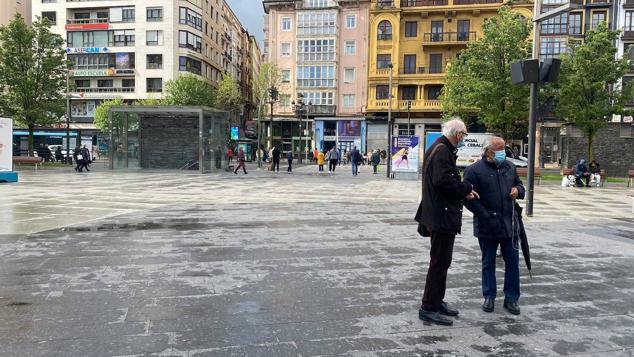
x: 181, y: 264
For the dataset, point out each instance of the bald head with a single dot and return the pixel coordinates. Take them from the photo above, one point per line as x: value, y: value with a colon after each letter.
x: 491, y: 145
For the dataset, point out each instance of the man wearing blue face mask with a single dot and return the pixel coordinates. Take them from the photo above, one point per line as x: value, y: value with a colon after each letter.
x: 495, y: 221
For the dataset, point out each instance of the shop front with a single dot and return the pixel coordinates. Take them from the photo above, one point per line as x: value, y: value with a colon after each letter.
x: 342, y: 133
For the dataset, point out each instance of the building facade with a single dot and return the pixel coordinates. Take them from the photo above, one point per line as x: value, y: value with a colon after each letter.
x: 12, y: 7
x: 320, y: 47
x: 129, y: 49
x: 418, y: 39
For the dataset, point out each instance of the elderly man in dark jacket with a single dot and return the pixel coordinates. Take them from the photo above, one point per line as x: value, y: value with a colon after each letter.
x: 495, y: 221
x: 440, y: 216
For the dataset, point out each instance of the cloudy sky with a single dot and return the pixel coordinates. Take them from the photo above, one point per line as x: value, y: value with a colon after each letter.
x: 250, y: 13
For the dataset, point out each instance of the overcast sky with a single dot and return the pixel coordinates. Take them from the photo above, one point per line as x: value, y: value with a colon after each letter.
x: 250, y: 13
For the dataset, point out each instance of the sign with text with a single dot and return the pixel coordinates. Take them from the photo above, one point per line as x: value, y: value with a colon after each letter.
x: 404, y: 153
x: 76, y: 27
x: 92, y: 72
x: 86, y: 49
x: 6, y: 144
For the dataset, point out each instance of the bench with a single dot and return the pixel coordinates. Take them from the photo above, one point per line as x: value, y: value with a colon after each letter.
x: 19, y: 160
x: 523, y: 172
x: 567, y: 172
x: 630, y: 174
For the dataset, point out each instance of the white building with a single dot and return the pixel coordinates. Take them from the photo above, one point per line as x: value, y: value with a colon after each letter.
x: 129, y: 49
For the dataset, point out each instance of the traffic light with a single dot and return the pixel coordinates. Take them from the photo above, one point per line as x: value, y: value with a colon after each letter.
x: 274, y: 94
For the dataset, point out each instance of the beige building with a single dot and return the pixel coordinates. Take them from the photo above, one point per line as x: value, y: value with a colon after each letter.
x: 10, y: 7
x: 320, y: 47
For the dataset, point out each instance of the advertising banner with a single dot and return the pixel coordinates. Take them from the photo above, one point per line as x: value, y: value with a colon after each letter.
x: 6, y: 144
x: 404, y: 153
x: 349, y: 129
x: 431, y: 137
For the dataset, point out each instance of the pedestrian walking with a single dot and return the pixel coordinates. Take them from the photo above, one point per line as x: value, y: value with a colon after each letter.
x: 495, y: 220
x: 440, y: 217
x: 241, y: 162
x: 85, y: 153
x: 275, y: 154
x: 333, y: 158
x: 315, y: 155
x: 289, y: 158
x: 320, y: 161
x: 376, y: 160
x: 229, y: 155
x: 79, y: 159
x: 355, y: 160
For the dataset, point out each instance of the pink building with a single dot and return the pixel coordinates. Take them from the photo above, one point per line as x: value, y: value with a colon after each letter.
x: 321, y: 49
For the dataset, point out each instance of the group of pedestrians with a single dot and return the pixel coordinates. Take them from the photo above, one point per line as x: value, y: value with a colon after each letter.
x: 82, y: 158
x: 489, y: 190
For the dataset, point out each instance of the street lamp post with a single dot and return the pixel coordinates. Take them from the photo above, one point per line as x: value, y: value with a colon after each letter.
x: 310, y: 105
x: 409, y: 106
x: 68, y: 114
x: 389, y: 122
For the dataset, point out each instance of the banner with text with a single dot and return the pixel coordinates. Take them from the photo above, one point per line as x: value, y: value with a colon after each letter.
x: 405, y: 153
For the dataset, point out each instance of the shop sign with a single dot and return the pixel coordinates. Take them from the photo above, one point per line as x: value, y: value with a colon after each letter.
x: 92, y: 72
x: 75, y: 27
x: 86, y: 49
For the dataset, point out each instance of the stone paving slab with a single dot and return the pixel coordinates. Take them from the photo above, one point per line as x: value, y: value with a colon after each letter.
x: 179, y: 264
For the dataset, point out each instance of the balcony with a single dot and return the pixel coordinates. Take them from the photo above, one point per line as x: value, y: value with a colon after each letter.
x: 448, y: 38
x: 628, y: 4
x: 599, y: 2
x: 422, y: 70
x: 323, y: 110
x: 100, y: 71
x: 416, y: 105
x: 628, y: 33
x: 383, y: 5
x: 420, y: 3
x: 104, y: 90
x: 87, y: 24
x: 476, y: 2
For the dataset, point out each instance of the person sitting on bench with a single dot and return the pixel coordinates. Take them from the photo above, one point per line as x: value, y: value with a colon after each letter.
x: 581, y: 172
x: 595, y: 172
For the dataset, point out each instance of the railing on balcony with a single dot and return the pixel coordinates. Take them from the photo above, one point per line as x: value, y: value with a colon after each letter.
x: 323, y: 109
x: 601, y: 1
x: 442, y: 37
x: 104, y: 90
x: 383, y: 4
x: 412, y: 70
x: 416, y: 104
x: 87, y: 21
x: 476, y: 2
x: 628, y: 32
x: 416, y: 3
x: 384, y: 36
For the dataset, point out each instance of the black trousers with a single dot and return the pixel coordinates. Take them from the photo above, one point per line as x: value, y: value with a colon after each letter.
x: 332, y: 165
x: 290, y: 166
x: 276, y: 165
x: 436, y: 283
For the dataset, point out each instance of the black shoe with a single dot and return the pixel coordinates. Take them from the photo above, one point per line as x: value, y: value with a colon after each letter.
x: 489, y: 305
x: 512, y: 307
x: 434, y: 317
x: 235, y: 172
x: 446, y: 310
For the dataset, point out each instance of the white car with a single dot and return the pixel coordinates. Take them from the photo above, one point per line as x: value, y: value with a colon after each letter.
x: 54, y: 148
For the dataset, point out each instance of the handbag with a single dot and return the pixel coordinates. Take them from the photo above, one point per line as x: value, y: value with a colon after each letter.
x: 422, y: 230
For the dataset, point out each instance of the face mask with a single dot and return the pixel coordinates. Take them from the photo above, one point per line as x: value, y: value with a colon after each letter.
x: 460, y: 144
x: 500, y: 156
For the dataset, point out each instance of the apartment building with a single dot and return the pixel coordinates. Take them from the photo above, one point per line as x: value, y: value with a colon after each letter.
x: 12, y: 7
x: 419, y: 38
x: 320, y: 47
x: 129, y: 49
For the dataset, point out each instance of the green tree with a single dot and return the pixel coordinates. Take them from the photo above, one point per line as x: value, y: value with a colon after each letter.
x: 32, y: 74
x: 588, y: 93
x: 189, y: 89
x: 479, y: 82
x: 268, y: 77
x: 228, y: 96
x: 101, y: 114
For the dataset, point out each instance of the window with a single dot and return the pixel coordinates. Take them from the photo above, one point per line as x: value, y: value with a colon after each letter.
x: 316, y: 50
x: 122, y: 38
x: 317, y: 23
x: 49, y: 1
x: 597, y: 18
x: 186, y: 64
x: 550, y: 47
x: 154, y: 61
x: 404, y: 129
x: 154, y: 85
x: 383, y: 61
x: 384, y: 30
x: 316, y: 3
x: 191, y: 18
x: 286, y: 23
x: 348, y: 100
x: 435, y: 63
x: 286, y: 49
x: 411, y: 29
x: 574, y: 23
x: 51, y: 16
x: 316, y: 75
x: 351, y: 21
x: 286, y: 75
x: 348, y: 75
x: 408, y: 92
x: 154, y: 38
x: 154, y: 14
x: 82, y: 83
x: 382, y: 92
x: 557, y: 25
x: 127, y: 14
x: 319, y: 98
x: 351, y: 48
x: 127, y: 83
x: 629, y: 21
x: 409, y: 66
x: 463, y: 30
x: 105, y: 83
x: 285, y: 100
x: 433, y: 92
x: 436, y: 31
x: 188, y: 40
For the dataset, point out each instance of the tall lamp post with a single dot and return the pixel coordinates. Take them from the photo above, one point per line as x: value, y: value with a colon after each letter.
x: 389, y: 122
x: 273, y: 97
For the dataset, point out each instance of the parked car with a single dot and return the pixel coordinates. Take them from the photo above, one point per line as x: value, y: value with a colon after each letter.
x: 54, y: 148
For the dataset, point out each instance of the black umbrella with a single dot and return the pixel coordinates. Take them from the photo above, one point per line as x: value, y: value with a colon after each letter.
x: 523, y: 238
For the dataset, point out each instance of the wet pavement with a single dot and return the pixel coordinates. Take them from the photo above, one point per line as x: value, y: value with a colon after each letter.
x: 179, y: 264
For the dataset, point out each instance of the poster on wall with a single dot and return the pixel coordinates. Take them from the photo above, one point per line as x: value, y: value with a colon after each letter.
x: 405, y: 153
x: 349, y: 128
x: 6, y: 144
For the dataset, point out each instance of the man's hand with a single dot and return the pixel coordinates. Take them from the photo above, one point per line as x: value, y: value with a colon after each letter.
x: 514, y: 193
x: 472, y: 195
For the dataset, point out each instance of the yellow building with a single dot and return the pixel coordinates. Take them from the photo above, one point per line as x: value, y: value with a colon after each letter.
x: 419, y: 38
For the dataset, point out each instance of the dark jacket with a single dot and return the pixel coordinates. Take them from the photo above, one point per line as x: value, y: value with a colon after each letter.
x: 376, y: 158
x: 441, y: 207
x: 276, y: 154
x: 289, y: 156
x: 356, y: 157
x: 595, y: 168
x: 493, y: 212
x: 581, y: 169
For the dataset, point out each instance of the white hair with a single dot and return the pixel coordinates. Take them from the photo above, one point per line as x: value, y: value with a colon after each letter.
x: 488, y: 143
x: 452, y: 127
